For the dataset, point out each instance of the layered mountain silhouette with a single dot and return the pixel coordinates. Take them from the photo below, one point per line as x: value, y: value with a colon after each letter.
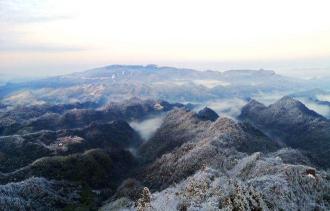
x: 196, y: 164
x: 292, y: 123
x: 133, y: 137
x: 118, y: 82
x: 88, y: 146
x: 184, y: 144
x: 16, y: 122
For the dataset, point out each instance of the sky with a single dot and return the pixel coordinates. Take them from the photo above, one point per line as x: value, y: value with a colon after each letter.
x: 44, y: 37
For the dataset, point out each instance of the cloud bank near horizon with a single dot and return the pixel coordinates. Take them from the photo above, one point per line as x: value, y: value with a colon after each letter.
x: 70, y: 35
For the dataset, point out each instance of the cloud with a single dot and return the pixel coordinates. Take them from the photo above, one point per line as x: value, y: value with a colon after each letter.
x: 323, y: 97
x: 15, y: 37
x: 34, y: 11
x: 21, y: 47
x: 12, y: 14
x: 211, y: 83
x: 15, y: 41
x: 324, y: 110
x: 269, y: 98
x: 226, y: 107
x: 33, y: 19
x: 148, y: 127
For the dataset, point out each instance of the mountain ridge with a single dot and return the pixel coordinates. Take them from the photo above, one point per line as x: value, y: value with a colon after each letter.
x: 296, y: 125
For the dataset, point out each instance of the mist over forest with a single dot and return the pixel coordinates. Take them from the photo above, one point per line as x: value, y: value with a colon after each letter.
x: 156, y: 105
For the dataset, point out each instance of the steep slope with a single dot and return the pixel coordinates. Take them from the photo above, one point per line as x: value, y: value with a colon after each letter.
x: 294, y: 124
x: 184, y: 144
x: 205, y: 165
x: 178, y: 127
x: 254, y: 182
x: 316, y: 99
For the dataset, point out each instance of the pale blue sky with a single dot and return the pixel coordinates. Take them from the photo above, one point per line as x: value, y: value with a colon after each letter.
x: 53, y: 37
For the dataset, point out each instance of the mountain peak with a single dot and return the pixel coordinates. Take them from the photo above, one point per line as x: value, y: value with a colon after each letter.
x: 255, y: 103
x: 207, y: 114
x: 288, y: 99
x: 252, y: 105
x: 290, y: 104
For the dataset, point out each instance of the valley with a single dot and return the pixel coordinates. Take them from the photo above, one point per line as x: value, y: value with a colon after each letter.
x: 132, y: 137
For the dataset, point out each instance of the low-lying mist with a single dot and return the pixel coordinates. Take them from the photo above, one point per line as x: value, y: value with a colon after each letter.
x: 147, y: 127
x: 324, y: 110
x: 225, y: 107
x: 319, y: 108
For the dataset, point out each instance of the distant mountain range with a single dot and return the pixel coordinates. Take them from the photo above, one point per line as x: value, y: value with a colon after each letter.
x: 77, y: 142
x: 117, y: 82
